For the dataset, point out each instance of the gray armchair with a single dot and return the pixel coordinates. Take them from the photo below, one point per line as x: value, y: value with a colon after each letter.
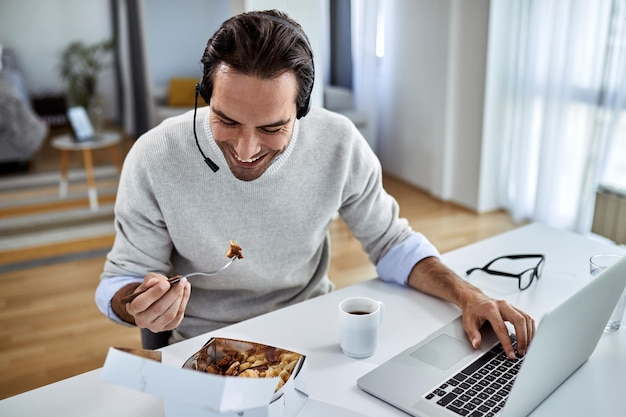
x: 22, y: 131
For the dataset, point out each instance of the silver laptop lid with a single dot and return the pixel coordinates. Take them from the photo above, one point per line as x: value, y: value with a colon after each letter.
x: 565, y: 339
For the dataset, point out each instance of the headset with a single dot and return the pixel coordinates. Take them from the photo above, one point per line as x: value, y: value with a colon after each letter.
x: 205, y: 87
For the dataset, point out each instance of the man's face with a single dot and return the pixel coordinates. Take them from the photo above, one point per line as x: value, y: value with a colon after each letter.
x: 252, y: 119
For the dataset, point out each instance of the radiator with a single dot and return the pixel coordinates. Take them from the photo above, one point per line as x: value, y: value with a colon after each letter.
x: 609, y: 216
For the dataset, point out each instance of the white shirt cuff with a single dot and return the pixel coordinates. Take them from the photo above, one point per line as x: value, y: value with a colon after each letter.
x: 397, y: 264
x: 105, y: 292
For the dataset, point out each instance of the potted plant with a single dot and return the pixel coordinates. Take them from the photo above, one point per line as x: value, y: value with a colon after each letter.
x: 79, y: 67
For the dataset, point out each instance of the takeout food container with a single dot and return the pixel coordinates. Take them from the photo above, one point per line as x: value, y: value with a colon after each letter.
x: 192, y: 390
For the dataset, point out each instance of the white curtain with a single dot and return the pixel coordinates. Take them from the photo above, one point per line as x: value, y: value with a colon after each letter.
x: 563, y: 74
x: 364, y: 24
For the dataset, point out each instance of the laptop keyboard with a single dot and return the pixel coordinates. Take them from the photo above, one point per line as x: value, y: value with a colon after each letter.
x: 482, y: 388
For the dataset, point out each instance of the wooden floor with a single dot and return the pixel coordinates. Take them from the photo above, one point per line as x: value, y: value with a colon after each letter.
x: 51, y: 328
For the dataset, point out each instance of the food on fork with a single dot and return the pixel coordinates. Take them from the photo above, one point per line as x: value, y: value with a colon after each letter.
x: 234, y: 250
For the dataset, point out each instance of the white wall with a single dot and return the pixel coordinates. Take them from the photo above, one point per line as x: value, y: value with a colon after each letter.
x: 39, y: 30
x: 413, y: 90
x: 176, y: 35
x: 432, y: 94
x: 467, y: 91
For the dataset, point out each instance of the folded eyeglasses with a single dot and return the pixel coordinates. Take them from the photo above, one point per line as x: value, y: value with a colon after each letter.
x: 524, y: 278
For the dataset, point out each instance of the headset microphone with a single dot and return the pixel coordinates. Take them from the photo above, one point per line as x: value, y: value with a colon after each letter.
x: 208, y: 161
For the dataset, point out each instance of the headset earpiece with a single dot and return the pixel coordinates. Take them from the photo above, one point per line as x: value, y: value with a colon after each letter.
x: 202, y: 90
x: 304, y: 109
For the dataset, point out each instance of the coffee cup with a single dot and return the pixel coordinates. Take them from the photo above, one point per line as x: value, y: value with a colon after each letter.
x: 359, y: 323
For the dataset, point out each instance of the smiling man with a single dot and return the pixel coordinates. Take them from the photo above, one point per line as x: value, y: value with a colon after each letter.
x: 252, y: 119
x: 278, y: 173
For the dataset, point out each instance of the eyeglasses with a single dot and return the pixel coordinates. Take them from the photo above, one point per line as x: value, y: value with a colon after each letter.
x: 524, y: 278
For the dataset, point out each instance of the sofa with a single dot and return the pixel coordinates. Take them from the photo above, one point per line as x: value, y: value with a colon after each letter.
x: 22, y: 131
x: 177, y: 98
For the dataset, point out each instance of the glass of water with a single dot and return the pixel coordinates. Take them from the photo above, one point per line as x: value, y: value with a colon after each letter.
x: 597, y: 264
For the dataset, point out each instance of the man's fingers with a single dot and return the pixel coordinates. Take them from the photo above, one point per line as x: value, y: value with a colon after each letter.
x: 497, y: 312
x: 154, y: 290
x: 177, y: 311
x: 167, y: 312
x: 524, y: 330
x: 503, y: 336
x: 524, y: 326
x: 472, y: 329
x: 475, y: 339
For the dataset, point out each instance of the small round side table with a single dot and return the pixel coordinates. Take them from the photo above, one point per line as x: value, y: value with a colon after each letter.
x: 66, y: 143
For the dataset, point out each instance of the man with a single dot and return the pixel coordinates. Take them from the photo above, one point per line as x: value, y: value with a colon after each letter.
x: 277, y: 175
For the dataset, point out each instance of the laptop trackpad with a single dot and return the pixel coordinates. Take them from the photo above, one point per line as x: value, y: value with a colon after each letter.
x: 443, y: 352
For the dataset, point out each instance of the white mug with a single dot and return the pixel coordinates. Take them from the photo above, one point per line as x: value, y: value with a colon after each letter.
x: 359, y: 322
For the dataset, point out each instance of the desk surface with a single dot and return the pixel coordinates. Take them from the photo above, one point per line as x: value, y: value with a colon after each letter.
x: 311, y: 328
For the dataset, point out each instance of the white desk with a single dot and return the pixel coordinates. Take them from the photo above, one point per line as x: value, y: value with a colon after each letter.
x: 311, y: 328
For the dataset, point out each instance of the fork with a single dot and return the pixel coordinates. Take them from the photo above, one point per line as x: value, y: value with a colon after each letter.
x: 175, y: 279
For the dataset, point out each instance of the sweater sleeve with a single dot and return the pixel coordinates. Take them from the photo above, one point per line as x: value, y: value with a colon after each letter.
x: 373, y: 216
x: 142, y: 242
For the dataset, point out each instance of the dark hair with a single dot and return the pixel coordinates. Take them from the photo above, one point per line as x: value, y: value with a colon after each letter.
x: 264, y: 44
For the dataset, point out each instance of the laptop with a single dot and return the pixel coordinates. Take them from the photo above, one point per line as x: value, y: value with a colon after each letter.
x: 443, y: 376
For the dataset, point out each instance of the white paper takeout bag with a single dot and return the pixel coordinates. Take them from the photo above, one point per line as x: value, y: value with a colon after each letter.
x: 193, y: 393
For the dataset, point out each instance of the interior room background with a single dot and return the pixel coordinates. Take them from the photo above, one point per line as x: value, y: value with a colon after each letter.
x: 490, y: 103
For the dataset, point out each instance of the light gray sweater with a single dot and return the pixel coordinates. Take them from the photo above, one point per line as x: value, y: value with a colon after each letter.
x: 174, y: 215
